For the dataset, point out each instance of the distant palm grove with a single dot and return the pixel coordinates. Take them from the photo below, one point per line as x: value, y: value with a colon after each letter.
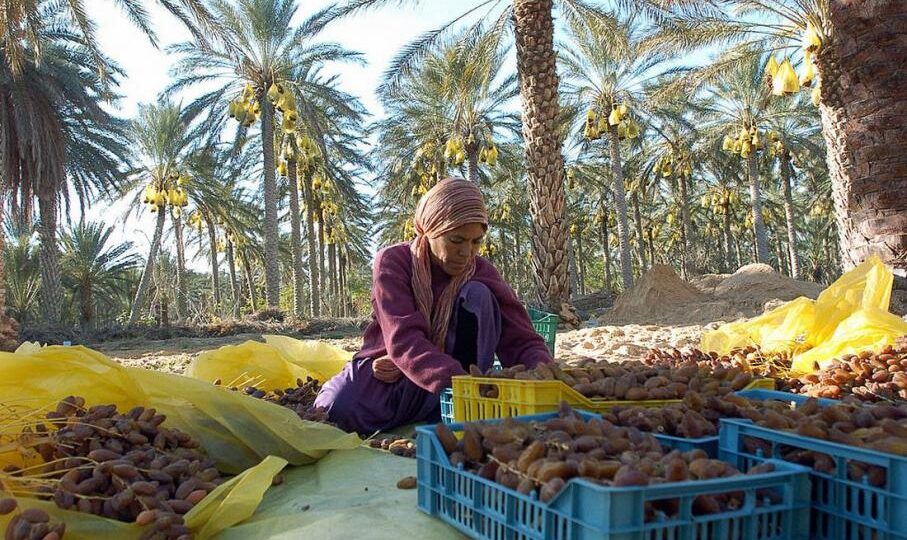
x: 608, y: 136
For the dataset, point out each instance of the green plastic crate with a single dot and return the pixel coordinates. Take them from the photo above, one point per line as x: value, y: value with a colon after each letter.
x: 546, y: 325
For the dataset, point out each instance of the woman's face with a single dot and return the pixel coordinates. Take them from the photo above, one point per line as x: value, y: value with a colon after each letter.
x: 457, y: 248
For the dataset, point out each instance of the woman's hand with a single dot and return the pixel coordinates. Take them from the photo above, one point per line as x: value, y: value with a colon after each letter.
x: 386, y: 371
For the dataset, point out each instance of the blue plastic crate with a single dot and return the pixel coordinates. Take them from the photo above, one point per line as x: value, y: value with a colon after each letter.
x: 842, y: 508
x: 796, y: 399
x: 584, y: 510
x: 707, y: 444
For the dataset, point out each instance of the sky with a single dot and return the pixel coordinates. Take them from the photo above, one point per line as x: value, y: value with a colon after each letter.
x: 378, y: 35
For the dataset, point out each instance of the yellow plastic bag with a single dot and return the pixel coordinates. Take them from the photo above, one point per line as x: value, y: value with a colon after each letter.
x: 274, y: 364
x: 320, y: 359
x: 867, y: 329
x: 784, y: 328
x: 237, y: 431
x: 232, y: 502
x: 251, y: 362
x: 868, y: 286
x: 849, y: 316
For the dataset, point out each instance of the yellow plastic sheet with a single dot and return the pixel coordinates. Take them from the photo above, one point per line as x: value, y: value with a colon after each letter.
x: 867, y: 329
x: 849, y: 316
x: 782, y: 329
x: 236, y: 431
x: 232, y: 502
x: 277, y: 363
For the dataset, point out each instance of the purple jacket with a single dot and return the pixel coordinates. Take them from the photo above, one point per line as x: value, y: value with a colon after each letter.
x: 398, y: 330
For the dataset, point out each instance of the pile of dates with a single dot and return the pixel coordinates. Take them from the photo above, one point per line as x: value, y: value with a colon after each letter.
x: 398, y: 447
x: 749, y: 358
x: 300, y: 399
x: 867, y: 376
x: 880, y: 427
x: 543, y: 456
x: 631, y: 380
x: 123, y: 466
x: 29, y: 524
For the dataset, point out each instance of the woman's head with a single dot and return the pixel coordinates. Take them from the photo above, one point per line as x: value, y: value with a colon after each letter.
x: 453, y: 219
x: 450, y: 224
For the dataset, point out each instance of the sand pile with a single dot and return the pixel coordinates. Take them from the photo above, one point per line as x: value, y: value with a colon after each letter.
x: 662, y: 297
x: 753, y: 285
x: 658, y: 294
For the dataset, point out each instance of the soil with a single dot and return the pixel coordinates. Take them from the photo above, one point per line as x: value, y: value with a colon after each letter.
x: 175, y: 355
x: 662, y: 297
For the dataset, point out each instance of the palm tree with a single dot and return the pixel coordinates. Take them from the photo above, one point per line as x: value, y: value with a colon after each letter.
x: 96, y: 272
x: 450, y: 107
x: 328, y: 119
x: 735, y: 114
x: 24, y: 22
x: 607, y: 68
x: 532, y: 24
x: 793, y: 138
x: 257, y: 55
x: 843, y: 38
x: 55, y: 130
x: 21, y: 284
x: 163, y: 144
x: 222, y: 209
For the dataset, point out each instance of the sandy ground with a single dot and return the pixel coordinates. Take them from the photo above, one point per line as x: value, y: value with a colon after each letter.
x: 175, y: 355
x: 626, y: 342
x: 605, y: 342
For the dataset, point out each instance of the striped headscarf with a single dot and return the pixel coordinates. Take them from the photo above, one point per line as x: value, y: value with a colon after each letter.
x: 451, y: 204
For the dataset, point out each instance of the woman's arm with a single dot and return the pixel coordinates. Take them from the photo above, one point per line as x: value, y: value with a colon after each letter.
x: 520, y: 343
x: 405, y: 329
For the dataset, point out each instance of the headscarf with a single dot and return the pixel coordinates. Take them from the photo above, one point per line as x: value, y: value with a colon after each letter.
x: 451, y: 204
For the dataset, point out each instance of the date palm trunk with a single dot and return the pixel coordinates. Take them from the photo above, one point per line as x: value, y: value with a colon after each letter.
x: 863, y: 103
x: 472, y: 163
x: 9, y: 328
x: 87, y: 318
x: 344, y: 303
x: 139, y: 302
x: 215, y: 273
x: 640, y: 237
x: 271, y: 232
x: 759, y: 233
x: 537, y: 67
x: 314, y: 274
x: 686, y: 226
x: 332, y: 278
x: 235, y: 289
x: 606, y: 251
x: 789, y: 215
x: 728, y: 237
x: 296, y: 241
x: 51, y: 295
x: 250, y: 282
x: 581, y: 263
x: 181, y: 286
x: 322, y: 272
x: 620, y: 202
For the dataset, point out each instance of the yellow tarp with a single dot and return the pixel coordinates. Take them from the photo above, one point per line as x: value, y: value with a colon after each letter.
x: 849, y: 316
x: 241, y: 434
x: 237, y: 431
x: 277, y: 363
x: 232, y: 502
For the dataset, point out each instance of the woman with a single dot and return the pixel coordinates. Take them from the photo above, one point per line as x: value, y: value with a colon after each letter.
x: 437, y: 309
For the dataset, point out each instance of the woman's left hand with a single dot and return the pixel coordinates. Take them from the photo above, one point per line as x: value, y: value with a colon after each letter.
x: 386, y: 371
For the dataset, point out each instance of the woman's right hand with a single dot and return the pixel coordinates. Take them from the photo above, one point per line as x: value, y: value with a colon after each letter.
x: 385, y: 370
